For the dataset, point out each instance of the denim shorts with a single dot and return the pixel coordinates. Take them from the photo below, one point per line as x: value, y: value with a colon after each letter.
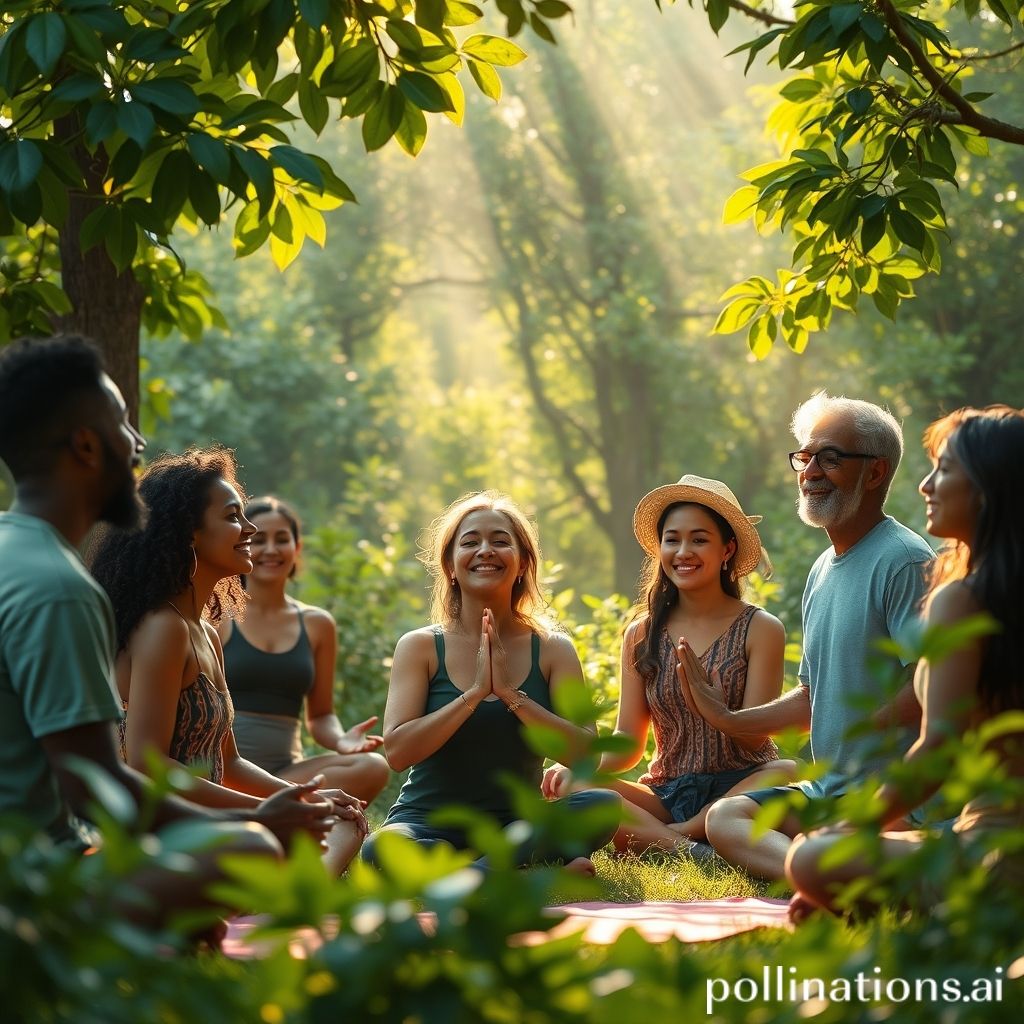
x: 686, y: 795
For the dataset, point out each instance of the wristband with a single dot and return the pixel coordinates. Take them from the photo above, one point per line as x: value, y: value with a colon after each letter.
x: 466, y: 702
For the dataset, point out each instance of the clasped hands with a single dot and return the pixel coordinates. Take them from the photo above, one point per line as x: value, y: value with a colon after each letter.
x: 491, y: 667
x: 307, y: 808
x: 704, y: 696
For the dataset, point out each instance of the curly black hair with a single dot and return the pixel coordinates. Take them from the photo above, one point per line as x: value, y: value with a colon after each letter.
x: 42, y: 387
x: 142, y: 570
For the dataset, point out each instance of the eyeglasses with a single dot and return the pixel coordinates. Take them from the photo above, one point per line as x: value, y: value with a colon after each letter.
x: 827, y: 458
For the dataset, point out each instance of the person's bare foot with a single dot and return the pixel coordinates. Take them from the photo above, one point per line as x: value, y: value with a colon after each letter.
x: 801, y: 908
x: 582, y: 866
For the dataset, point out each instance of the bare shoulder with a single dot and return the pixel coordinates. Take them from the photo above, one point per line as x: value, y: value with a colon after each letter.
x: 162, y: 631
x: 635, y: 631
x: 764, y: 627
x: 416, y: 642
x: 558, y: 644
x: 318, y: 621
x: 952, y: 602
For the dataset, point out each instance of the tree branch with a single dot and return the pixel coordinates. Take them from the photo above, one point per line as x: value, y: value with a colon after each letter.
x: 992, y: 56
x: 763, y: 16
x: 990, y: 127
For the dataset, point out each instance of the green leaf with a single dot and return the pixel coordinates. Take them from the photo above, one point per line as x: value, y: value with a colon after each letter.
x: 53, y: 297
x: 486, y: 78
x: 170, y: 186
x: 383, y: 118
x: 122, y: 240
x: 298, y: 164
x: 412, y: 132
x: 170, y: 94
x: 315, y: 12
x: 424, y: 91
x: 100, y: 122
x: 740, y: 205
x: 873, y: 26
x: 800, y: 89
x: 96, y: 226
x: 859, y: 100
x: 45, y: 39
x: 458, y: 13
x: 871, y: 232
x: 430, y: 14
x: 212, y: 155
x: 77, y: 87
x: 20, y: 163
x: 736, y: 315
x: 125, y: 163
x: 540, y: 27
x: 493, y: 50
x: 761, y: 335
x: 908, y: 228
x: 313, y: 105
x: 136, y: 121
x: 718, y: 14
x: 204, y: 197
x: 842, y: 16
x: 259, y: 172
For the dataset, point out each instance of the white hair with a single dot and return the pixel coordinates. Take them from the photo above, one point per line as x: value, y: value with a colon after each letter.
x: 877, y: 428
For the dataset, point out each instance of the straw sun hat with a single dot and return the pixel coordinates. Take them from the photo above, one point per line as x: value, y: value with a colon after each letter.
x: 713, y: 494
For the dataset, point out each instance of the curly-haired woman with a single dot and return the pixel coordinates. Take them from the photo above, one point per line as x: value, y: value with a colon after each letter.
x: 169, y: 583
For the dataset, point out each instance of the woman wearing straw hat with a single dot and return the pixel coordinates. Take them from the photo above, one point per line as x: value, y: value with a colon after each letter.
x: 699, y: 546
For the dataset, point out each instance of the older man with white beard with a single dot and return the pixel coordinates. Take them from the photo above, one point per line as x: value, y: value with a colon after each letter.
x: 865, y: 587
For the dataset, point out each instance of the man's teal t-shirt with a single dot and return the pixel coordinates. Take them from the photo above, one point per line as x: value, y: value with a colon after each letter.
x: 871, y: 592
x: 56, y: 663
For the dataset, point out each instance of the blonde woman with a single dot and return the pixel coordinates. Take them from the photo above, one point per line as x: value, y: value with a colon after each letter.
x: 463, y: 689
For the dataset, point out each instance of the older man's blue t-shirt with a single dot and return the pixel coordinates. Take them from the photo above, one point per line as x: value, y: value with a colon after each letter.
x: 872, y: 591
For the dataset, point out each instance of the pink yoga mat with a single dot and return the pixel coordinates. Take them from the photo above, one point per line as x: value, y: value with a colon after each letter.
x: 695, y: 921
x: 600, y: 923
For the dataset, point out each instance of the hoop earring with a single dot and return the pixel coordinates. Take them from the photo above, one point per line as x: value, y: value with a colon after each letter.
x: 195, y: 563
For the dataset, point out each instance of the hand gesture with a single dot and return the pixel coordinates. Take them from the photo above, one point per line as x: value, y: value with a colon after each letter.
x: 483, y: 683
x: 355, y: 740
x: 346, y: 807
x: 557, y: 782
x: 297, y: 808
x: 704, y: 697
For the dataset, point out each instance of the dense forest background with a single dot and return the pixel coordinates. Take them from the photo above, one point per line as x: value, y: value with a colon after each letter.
x: 528, y: 307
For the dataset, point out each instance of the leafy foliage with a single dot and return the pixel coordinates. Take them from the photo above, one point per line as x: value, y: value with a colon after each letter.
x: 874, y: 127
x: 167, y: 116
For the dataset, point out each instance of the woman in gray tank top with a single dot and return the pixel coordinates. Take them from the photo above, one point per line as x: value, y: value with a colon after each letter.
x: 279, y: 664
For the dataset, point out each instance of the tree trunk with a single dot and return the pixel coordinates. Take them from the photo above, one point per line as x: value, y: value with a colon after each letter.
x: 106, y: 304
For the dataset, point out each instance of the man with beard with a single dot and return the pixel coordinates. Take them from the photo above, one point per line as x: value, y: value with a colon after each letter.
x: 67, y: 441
x: 867, y: 586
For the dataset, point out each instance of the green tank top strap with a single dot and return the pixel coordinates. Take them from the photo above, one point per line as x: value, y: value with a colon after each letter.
x: 534, y: 652
x: 442, y: 668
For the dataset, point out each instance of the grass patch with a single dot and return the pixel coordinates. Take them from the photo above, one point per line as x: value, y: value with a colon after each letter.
x: 667, y: 877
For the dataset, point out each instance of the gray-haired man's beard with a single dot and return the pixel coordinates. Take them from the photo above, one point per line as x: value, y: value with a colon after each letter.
x: 831, y: 509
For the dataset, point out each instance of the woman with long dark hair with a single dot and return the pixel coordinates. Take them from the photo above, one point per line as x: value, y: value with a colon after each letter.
x: 463, y: 689
x: 279, y: 662
x: 699, y: 546
x: 169, y: 583
x: 974, y: 496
